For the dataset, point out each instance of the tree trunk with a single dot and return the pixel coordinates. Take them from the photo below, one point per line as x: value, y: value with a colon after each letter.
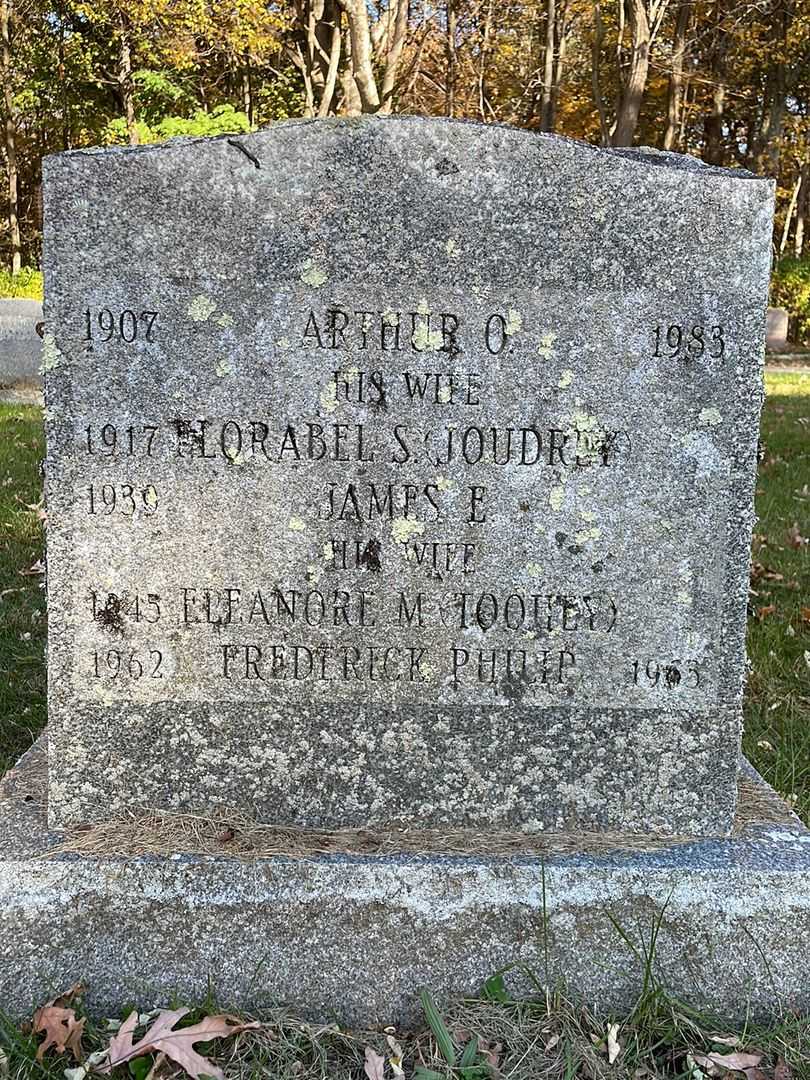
x: 789, y: 213
x: 396, y: 42
x: 596, y: 60
x: 713, y: 142
x: 450, y: 55
x: 801, y: 210
x: 10, y: 137
x: 633, y: 92
x: 675, y: 89
x: 125, y: 81
x: 247, y: 89
x: 546, y: 101
x: 352, y: 104
x: 563, y: 29
x: 361, y: 52
x: 482, y: 65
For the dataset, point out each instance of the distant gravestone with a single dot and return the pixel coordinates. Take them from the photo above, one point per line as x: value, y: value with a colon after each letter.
x: 776, y: 328
x: 401, y: 471
x: 20, y: 346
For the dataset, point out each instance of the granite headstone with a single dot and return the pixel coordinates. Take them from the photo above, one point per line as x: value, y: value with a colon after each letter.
x: 20, y: 345
x: 401, y: 470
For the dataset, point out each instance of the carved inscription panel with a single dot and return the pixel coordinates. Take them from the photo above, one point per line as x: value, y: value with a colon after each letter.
x: 429, y: 498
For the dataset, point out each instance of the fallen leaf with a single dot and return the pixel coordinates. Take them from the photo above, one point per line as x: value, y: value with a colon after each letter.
x: 734, y: 1040
x: 805, y: 613
x: 552, y: 1042
x: 39, y: 509
x: 782, y: 1071
x: 795, y: 538
x: 175, y: 1044
x: 396, y: 1055
x: 374, y: 1067
x: 613, y: 1048
x: 37, y: 568
x: 493, y: 1053
x: 762, y: 612
x: 226, y: 835
x: 760, y: 572
x: 717, y: 1064
x: 62, y: 1030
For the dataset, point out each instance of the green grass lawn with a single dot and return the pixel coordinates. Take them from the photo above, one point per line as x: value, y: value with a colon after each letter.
x: 777, y: 738
x: 777, y: 711
x: 22, y: 597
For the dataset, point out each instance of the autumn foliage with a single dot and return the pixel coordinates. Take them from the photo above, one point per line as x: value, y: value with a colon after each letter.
x: 727, y: 80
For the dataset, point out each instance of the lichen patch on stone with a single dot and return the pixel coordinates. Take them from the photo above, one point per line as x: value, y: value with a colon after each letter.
x: 710, y: 417
x: 223, y: 368
x: 514, y: 322
x: 588, y: 534
x: 556, y: 497
x: 404, y: 529
x: 313, y: 275
x: 426, y: 340
x: 51, y: 354
x: 201, y: 308
x: 546, y: 347
x: 296, y: 524
x: 224, y: 320
x: 566, y: 379
x: 328, y: 397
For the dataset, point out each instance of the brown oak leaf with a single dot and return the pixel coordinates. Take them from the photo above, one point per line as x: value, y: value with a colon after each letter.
x: 62, y: 1030
x: 178, y: 1045
x: 719, y: 1064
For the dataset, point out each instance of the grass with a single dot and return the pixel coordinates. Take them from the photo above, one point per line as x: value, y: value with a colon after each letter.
x: 490, y: 1037
x: 25, y: 285
x: 777, y: 707
x: 22, y: 598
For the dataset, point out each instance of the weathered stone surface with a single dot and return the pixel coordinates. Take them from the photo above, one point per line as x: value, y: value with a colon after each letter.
x: 19, y: 348
x: 356, y: 937
x: 238, y: 328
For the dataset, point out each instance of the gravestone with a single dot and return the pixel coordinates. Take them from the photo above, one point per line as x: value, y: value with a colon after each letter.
x: 401, y: 472
x: 776, y: 328
x: 20, y: 344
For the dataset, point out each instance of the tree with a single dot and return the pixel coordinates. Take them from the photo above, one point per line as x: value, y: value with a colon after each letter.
x: 10, y: 136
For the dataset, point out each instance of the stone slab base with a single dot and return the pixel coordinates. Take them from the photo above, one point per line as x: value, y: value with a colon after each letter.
x: 354, y: 937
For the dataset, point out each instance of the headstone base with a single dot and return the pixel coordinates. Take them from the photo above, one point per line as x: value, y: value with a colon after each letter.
x: 353, y: 937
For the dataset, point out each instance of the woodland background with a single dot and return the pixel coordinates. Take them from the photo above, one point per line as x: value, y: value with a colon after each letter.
x: 726, y: 80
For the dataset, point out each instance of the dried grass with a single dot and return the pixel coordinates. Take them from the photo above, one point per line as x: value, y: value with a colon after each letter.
x: 234, y: 835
